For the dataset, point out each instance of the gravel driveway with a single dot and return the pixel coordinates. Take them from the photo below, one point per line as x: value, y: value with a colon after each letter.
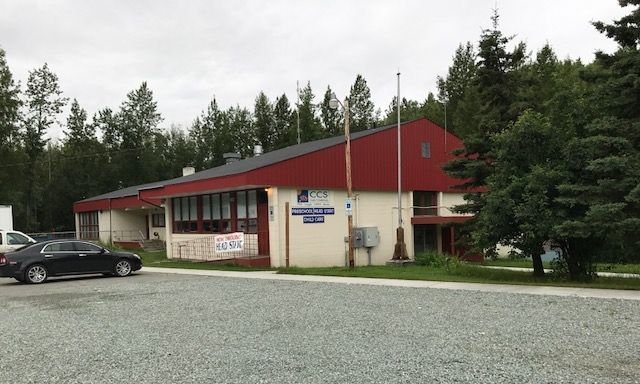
x: 157, y: 328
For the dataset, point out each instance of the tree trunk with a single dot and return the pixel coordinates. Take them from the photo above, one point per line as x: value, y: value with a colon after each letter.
x: 538, y: 268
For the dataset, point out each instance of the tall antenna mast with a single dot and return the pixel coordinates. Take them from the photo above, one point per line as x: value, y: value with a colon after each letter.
x: 298, y: 109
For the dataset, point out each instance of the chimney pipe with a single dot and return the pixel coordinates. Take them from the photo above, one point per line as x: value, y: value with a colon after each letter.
x: 257, y: 150
x: 186, y: 171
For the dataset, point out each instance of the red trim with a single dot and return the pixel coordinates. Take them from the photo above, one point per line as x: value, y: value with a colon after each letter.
x: 117, y: 203
x: 88, y: 206
x: 439, y: 219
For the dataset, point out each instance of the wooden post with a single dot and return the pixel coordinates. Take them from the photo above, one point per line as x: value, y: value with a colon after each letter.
x: 286, y: 234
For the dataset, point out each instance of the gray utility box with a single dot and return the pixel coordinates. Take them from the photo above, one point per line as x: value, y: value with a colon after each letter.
x: 365, y: 237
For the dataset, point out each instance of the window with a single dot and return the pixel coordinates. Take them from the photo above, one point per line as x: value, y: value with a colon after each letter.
x: 218, y: 212
x: 16, y: 238
x: 185, y: 214
x: 426, y: 150
x: 425, y: 203
x: 247, y: 207
x: 86, y: 247
x: 157, y: 220
x: 213, y: 206
x: 89, y: 225
x: 59, y: 247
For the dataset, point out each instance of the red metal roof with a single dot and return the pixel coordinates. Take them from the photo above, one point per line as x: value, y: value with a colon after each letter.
x: 321, y: 164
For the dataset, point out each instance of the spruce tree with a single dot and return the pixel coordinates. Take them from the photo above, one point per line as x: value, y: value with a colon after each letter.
x: 263, y: 122
x: 360, y: 105
x: 10, y: 146
x: 310, y: 126
x: 282, y: 122
x: 44, y: 102
x: 458, y: 82
x: 332, y: 119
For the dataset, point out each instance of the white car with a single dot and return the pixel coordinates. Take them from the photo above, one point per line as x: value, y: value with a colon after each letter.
x: 12, y: 240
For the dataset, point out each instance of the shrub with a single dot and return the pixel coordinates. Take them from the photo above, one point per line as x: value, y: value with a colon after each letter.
x: 437, y: 260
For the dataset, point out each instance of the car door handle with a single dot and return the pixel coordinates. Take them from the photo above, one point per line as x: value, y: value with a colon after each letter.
x: 82, y: 255
x: 48, y: 256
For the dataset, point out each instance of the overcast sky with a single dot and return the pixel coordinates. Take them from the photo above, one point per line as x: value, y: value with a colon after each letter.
x: 189, y: 51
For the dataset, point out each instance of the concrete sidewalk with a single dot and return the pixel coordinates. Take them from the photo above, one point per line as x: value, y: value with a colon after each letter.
x: 601, y: 274
x: 505, y: 288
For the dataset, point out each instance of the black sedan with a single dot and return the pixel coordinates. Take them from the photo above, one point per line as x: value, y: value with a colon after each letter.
x: 36, y: 262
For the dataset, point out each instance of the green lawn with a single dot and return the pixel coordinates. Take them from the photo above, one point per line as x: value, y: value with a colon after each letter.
x: 468, y: 273
x: 465, y: 273
x: 601, y: 267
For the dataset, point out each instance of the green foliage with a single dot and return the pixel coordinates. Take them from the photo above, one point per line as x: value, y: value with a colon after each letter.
x: 361, y: 107
x: 209, y: 137
x: 264, y: 122
x: 453, y: 89
x: 283, y: 123
x: 332, y: 119
x: 310, y: 126
x: 437, y: 260
x: 44, y: 102
x: 11, y: 151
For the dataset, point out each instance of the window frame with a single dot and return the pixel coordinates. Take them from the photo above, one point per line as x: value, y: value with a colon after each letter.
x: 88, y: 225
x: 420, y: 200
x: 161, y: 223
x: 190, y: 225
x: 221, y: 212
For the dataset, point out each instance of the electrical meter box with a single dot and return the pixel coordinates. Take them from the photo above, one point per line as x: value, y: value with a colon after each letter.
x: 365, y: 237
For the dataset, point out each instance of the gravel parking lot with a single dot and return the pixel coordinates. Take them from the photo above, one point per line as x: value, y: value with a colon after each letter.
x: 162, y: 328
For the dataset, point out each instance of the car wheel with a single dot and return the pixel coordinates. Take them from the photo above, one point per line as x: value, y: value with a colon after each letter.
x: 122, y: 268
x: 36, y: 274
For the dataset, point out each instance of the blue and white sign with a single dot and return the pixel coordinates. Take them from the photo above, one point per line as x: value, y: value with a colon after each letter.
x: 348, y: 206
x: 298, y: 211
x: 312, y: 219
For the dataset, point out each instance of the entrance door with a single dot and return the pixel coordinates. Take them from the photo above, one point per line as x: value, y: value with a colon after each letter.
x: 425, y: 238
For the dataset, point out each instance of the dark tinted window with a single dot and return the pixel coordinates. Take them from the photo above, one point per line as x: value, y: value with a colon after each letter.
x: 59, y: 247
x: 87, y: 247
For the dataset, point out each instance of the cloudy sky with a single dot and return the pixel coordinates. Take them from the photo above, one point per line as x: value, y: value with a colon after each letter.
x: 189, y: 51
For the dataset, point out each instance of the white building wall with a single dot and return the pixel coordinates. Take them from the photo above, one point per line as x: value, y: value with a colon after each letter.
x: 322, y: 244
x: 448, y: 201
x: 168, y: 227
x: 127, y: 225
x: 104, y: 226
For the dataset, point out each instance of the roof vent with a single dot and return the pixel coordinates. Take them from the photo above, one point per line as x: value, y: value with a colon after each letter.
x: 257, y: 150
x: 231, y: 157
x: 186, y: 171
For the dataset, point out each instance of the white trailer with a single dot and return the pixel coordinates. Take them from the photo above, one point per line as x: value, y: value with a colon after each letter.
x: 6, y: 217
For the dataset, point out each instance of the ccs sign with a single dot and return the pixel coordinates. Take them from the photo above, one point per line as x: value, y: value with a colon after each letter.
x: 314, y: 197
